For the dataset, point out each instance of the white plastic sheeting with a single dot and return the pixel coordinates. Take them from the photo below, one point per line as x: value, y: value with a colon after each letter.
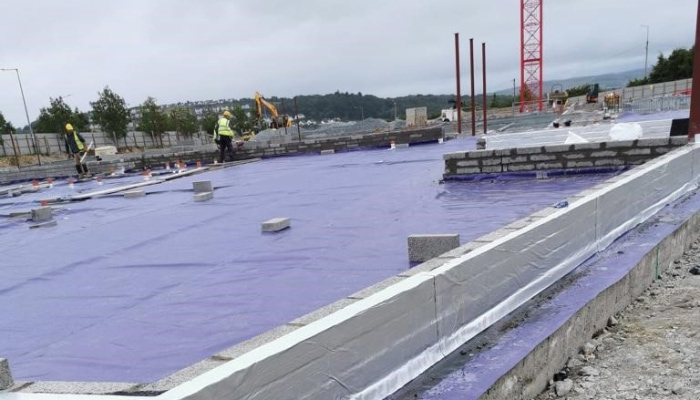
x: 627, y: 131
x: 591, y: 133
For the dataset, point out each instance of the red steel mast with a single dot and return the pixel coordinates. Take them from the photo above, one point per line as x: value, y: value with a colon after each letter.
x: 531, y: 55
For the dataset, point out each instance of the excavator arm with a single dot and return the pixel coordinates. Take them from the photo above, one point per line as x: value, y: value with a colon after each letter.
x: 260, y: 102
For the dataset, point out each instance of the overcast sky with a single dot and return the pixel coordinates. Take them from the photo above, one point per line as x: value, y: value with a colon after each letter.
x: 178, y: 50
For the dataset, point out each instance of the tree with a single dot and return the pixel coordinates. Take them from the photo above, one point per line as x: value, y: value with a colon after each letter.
x: 240, y: 121
x: 678, y: 65
x: 110, y: 112
x: 153, y: 119
x: 54, y: 118
x: 183, y: 121
x: 208, y: 122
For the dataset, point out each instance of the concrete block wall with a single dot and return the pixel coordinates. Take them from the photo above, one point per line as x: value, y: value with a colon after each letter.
x: 310, y: 146
x: 528, y: 160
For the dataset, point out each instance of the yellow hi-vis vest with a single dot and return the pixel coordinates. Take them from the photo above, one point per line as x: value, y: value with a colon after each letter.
x: 224, y: 129
x: 78, y: 143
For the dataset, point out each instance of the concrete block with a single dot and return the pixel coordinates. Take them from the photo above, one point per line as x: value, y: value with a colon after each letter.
x: 377, y: 287
x: 202, y: 186
x: 462, y: 250
x: 6, y: 380
x: 600, y: 154
x: 608, y: 162
x: 586, y: 146
x: 426, y: 266
x: 42, y: 214
x: 255, y: 342
x: 510, y: 160
x: 619, y: 143
x: 638, y: 152
x: 542, y: 157
x: 472, y: 163
x: 529, y: 150
x: 661, y: 150
x: 549, y: 166
x: 504, y: 152
x: 47, y: 224
x: 480, y: 154
x: 322, y: 312
x: 329, y: 151
x: 401, y: 145
x: 424, y: 247
x: 520, y: 167
x: 679, y: 140
x: 276, y: 224
x: 579, y: 164
x: 491, y: 170
x: 560, y: 148
x: 133, y: 194
x: 573, y: 156
x: 653, y: 142
x: 491, y: 161
x: 454, y: 156
x: 495, y: 235
x: 203, y: 196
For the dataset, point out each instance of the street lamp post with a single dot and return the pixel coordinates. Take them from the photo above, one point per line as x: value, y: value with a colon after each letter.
x: 26, y: 112
x: 646, y: 55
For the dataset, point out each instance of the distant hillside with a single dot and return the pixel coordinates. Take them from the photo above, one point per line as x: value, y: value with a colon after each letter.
x: 355, y: 106
x: 607, y: 81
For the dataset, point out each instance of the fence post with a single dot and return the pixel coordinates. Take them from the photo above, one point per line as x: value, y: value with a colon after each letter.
x: 14, y: 148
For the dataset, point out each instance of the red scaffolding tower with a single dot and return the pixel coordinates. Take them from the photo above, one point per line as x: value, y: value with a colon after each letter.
x: 531, y: 55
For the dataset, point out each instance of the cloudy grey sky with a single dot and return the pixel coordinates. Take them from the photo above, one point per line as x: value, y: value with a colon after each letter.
x: 178, y: 50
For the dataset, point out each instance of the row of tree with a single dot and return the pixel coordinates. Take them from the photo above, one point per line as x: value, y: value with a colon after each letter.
x: 678, y: 65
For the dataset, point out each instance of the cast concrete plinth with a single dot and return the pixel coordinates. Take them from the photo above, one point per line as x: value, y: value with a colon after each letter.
x: 276, y: 224
x: 202, y: 186
x: 6, y: 380
x: 422, y: 248
x: 42, y: 214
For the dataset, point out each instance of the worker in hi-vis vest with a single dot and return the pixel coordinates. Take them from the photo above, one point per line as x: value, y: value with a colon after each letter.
x: 223, y: 136
x: 75, y: 147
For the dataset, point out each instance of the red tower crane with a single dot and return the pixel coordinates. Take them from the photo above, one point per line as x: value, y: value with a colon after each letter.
x: 531, y: 55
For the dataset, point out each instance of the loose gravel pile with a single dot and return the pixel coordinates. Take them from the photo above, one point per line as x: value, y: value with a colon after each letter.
x: 650, y: 351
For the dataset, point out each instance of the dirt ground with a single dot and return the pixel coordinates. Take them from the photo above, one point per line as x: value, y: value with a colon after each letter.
x: 650, y: 351
x: 9, y: 161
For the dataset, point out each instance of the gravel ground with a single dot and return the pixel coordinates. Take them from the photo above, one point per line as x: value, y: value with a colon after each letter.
x: 650, y: 351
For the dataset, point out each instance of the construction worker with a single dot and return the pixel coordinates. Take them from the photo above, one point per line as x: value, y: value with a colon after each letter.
x: 223, y: 136
x: 75, y: 147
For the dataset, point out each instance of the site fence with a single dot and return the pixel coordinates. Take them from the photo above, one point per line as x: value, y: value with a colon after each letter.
x: 53, y: 143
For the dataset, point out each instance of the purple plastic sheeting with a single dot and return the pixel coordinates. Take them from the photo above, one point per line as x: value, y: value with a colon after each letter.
x: 476, y: 373
x: 132, y: 290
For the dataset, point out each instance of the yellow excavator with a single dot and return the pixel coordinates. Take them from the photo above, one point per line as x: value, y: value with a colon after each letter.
x: 278, y: 121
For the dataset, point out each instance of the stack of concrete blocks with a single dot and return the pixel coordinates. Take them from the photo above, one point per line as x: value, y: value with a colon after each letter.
x: 422, y: 248
x: 42, y: 217
x: 276, y: 224
x: 417, y: 117
x: 203, y: 190
x: 595, y: 156
x: 6, y: 380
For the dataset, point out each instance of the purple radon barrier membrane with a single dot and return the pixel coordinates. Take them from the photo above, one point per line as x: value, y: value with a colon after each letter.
x: 132, y: 290
x: 470, y: 376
